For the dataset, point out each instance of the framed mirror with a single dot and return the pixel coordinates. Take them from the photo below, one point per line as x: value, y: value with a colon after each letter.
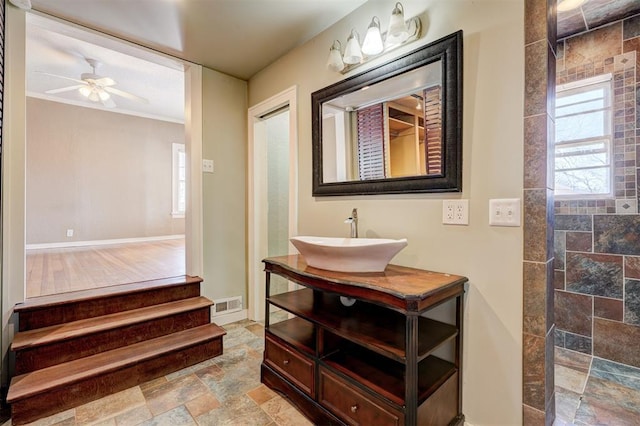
x: 394, y: 129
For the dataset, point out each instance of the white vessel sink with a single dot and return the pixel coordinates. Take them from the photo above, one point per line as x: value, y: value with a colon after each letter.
x: 348, y: 254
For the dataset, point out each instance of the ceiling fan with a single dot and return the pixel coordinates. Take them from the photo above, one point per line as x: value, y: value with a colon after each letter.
x: 95, y: 87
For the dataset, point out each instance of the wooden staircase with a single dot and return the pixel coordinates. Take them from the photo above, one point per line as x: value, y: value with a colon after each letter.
x: 80, y: 346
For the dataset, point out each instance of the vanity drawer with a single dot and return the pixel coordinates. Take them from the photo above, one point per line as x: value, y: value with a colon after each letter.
x: 291, y: 364
x: 354, y: 406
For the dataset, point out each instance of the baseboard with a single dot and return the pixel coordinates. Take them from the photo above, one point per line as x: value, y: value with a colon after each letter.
x: 102, y: 242
x: 230, y: 317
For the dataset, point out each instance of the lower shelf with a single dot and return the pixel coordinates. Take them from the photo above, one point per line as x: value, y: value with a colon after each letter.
x: 386, y: 377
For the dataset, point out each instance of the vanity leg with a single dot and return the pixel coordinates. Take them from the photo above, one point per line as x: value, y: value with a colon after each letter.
x: 411, y: 371
x: 459, y: 323
x: 267, y: 294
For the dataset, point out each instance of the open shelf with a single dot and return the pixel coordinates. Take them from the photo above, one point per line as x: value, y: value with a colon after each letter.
x: 376, y: 328
x: 385, y: 376
x: 399, y: 125
x: 296, y: 332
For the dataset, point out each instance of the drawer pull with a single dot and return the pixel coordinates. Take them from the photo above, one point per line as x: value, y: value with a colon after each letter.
x: 285, y: 362
x: 354, y: 408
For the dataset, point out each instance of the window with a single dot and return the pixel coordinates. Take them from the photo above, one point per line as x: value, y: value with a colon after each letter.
x: 179, y: 180
x: 583, y: 139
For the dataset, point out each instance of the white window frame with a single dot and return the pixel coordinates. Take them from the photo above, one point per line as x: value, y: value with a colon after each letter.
x: 604, y: 81
x: 177, y: 149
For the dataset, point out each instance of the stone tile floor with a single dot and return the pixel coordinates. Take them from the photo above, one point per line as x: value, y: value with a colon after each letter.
x: 594, y: 391
x: 225, y: 390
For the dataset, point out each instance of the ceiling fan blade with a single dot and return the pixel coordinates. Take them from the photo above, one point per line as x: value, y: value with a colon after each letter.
x: 105, y: 81
x: 64, y: 89
x: 61, y: 76
x: 126, y: 95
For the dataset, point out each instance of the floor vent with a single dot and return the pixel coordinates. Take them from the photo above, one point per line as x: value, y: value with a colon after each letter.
x: 228, y: 305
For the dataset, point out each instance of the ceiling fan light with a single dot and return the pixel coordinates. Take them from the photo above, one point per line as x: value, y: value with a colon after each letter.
x: 94, y: 96
x: 103, y: 95
x: 85, y: 91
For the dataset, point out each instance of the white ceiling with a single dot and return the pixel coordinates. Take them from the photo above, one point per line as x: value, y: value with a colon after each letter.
x: 237, y: 37
x: 55, y: 48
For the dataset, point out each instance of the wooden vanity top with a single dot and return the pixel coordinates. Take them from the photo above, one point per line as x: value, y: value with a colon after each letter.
x: 408, y: 289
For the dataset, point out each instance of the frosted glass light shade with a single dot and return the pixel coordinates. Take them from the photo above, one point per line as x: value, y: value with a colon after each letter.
x: 335, y: 63
x: 352, y: 53
x: 85, y: 91
x: 398, y: 32
x: 372, y: 44
x: 103, y: 95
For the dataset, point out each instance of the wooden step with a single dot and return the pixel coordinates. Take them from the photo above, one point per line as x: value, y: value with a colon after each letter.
x: 47, y: 346
x: 46, y: 311
x: 60, y: 387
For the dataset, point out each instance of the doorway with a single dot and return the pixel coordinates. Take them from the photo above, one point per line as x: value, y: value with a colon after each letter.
x: 109, y: 216
x: 272, y: 218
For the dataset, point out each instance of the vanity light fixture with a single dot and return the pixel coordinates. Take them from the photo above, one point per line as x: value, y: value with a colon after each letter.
x: 334, y: 63
x: 398, y: 31
x: 352, y: 53
x: 375, y: 43
x: 566, y: 5
x: 372, y: 44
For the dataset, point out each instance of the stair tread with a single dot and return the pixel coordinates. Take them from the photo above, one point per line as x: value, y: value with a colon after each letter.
x: 102, y: 292
x: 38, y: 381
x: 70, y: 330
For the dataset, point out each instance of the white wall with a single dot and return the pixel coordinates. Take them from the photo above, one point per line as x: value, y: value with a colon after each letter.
x: 224, y: 141
x: 492, y: 168
x: 13, y: 163
x: 103, y: 174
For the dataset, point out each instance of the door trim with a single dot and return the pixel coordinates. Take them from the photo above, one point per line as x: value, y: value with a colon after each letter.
x: 256, y: 199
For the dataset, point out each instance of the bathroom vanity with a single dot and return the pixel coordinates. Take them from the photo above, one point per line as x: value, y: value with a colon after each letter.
x: 371, y: 362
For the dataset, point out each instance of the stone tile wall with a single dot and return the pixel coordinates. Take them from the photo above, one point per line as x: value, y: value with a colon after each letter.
x: 538, y: 398
x: 597, y: 242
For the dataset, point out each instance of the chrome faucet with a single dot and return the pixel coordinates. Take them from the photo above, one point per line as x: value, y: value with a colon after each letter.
x: 353, y: 220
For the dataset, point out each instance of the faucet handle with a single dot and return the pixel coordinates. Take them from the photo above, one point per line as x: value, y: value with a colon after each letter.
x: 354, y: 213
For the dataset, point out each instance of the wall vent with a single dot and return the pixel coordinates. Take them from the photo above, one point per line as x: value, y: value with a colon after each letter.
x: 227, y: 305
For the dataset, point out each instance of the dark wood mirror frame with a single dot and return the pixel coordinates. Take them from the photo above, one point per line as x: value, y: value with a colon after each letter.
x: 448, y: 50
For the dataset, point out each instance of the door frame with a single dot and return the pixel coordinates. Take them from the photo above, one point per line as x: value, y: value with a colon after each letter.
x: 256, y: 194
x: 13, y: 273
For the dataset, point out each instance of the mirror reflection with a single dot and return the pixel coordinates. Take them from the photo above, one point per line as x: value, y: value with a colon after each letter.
x: 391, y: 129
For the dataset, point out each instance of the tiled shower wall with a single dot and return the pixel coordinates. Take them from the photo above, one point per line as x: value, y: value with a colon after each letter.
x: 597, y: 241
x: 538, y: 398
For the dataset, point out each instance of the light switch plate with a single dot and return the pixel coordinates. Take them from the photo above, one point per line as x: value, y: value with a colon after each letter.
x: 504, y: 212
x: 207, y: 166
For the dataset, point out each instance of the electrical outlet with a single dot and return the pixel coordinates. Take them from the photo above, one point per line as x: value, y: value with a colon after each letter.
x: 455, y: 212
x: 504, y: 212
x: 69, y: 232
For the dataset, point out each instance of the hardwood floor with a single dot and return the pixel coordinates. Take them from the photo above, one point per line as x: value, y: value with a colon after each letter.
x: 54, y: 271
